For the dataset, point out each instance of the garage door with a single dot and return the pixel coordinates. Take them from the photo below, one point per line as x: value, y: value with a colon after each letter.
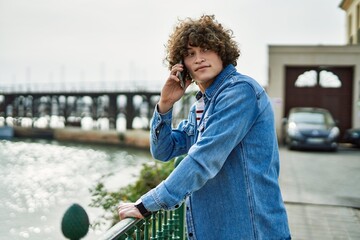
x: 319, y: 86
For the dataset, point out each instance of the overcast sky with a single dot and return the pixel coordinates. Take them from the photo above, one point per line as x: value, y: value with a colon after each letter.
x: 120, y: 42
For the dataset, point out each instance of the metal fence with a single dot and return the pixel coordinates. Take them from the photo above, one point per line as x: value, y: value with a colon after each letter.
x: 162, y: 225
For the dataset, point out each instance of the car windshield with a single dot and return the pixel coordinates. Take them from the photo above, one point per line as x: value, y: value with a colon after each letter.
x: 318, y: 118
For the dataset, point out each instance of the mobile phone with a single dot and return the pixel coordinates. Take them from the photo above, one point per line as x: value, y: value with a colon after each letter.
x: 182, y: 75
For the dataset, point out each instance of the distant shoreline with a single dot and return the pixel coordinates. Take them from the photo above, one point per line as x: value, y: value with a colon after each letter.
x: 129, y: 138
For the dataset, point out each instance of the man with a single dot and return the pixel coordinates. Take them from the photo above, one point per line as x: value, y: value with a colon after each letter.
x: 229, y: 177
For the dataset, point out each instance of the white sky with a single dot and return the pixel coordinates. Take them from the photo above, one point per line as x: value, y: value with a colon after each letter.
x: 114, y: 43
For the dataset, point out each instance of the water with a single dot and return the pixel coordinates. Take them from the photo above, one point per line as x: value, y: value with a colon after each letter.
x: 41, y: 179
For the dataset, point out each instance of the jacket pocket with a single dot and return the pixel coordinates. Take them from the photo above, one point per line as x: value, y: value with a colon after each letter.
x: 189, y: 128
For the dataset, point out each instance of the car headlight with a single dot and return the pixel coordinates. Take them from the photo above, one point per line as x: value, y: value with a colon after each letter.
x: 293, y: 131
x: 355, y: 135
x: 334, y: 133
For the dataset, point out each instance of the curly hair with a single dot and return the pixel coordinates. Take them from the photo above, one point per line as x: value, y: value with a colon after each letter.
x: 205, y: 32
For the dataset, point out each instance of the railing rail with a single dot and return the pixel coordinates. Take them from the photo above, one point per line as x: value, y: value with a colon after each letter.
x: 120, y: 228
x: 162, y: 225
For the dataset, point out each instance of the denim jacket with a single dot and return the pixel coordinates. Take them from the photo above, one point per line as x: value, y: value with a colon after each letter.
x: 229, y: 177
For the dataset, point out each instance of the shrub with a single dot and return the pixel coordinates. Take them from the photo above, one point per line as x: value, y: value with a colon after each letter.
x: 150, y: 176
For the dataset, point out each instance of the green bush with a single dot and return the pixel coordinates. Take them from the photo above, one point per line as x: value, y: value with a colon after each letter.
x: 150, y: 176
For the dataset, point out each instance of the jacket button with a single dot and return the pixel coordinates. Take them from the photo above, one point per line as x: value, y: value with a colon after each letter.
x: 176, y: 206
x: 191, y: 234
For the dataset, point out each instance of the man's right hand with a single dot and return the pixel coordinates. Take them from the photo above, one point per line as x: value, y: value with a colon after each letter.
x: 172, y: 90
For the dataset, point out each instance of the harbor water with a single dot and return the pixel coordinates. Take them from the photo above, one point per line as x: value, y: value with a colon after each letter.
x: 41, y: 179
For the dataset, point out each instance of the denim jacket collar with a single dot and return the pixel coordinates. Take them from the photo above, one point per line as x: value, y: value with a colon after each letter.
x: 211, y: 90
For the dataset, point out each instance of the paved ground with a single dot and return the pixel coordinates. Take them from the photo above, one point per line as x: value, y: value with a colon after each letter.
x: 323, y: 222
x: 322, y: 193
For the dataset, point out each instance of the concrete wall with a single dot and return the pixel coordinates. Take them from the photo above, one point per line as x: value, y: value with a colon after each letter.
x: 281, y: 56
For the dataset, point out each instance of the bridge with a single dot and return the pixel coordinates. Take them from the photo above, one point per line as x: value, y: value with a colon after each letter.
x: 72, y: 105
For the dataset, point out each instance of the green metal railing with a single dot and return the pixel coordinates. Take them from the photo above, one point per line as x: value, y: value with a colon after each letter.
x: 162, y: 225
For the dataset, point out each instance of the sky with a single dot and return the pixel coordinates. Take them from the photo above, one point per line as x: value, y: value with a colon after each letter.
x: 120, y: 44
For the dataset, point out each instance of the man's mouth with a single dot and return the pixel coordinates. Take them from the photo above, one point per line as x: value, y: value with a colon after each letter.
x: 201, y: 67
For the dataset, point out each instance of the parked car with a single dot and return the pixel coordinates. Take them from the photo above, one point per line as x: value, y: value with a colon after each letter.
x: 310, y: 128
x: 352, y: 136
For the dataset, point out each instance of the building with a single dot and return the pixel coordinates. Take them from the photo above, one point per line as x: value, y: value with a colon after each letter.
x: 352, y: 9
x: 319, y: 76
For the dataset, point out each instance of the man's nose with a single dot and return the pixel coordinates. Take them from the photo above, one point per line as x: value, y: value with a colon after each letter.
x: 199, y: 58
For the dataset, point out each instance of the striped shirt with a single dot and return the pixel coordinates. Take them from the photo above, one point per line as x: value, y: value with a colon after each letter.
x: 199, y: 107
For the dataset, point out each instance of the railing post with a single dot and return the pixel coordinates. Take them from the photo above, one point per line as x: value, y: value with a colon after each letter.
x: 138, y: 231
x: 181, y: 211
x: 146, y: 228
x: 166, y: 226
x: 171, y: 225
x: 159, y: 232
x: 176, y: 225
x: 153, y: 226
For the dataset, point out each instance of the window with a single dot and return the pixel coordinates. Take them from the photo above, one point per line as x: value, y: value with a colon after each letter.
x: 310, y: 78
x: 350, y: 29
x: 307, y: 79
x: 358, y: 16
x: 308, y: 117
x: 358, y: 23
x: 329, y: 80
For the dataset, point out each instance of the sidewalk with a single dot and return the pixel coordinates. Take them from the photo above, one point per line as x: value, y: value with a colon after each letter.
x: 321, y: 191
x: 310, y: 222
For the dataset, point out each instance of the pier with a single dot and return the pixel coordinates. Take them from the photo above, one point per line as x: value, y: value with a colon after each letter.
x: 74, y: 105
